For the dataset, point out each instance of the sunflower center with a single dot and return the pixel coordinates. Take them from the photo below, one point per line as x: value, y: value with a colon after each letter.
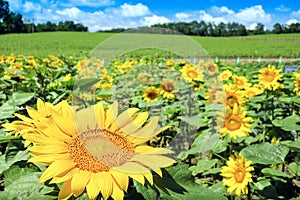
x: 231, y: 100
x: 269, y: 76
x: 192, y: 74
x: 99, y: 150
x: 233, y: 123
x: 239, y: 174
x: 298, y: 82
x: 152, y: 94
x: 168, y: 87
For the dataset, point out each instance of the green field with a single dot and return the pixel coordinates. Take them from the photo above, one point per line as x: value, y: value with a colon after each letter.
x: 77, y: 43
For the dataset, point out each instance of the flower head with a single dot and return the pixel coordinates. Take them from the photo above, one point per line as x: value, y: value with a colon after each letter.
x: 191, y: 73
x: 98, y: 152
x: 236, y: 124
x: 269, y: 77
x: 151, y: 94
x: 225, y: 75
x: 237, y: 174
x: 168, y: 88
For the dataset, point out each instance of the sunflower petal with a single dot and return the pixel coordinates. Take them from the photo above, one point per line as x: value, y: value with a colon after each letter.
x: 111, y: 114
x: 79, y: 181
x: 65, y: 191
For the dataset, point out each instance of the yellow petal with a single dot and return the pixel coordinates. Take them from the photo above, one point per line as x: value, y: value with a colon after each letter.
x: 123, y: 119
x: 57, y: 168
x: 41, y: 107
x: 100, y: 113
x: 121, y: 178
x: 65, y: 176
x: 79, y: 181
x: 153, y: 161
x: 65, y: 124
x: 117, y: 194
x: 65, y: 191
x: 100, y: 182
x: 111, y: 114
x: 143, y: 149
x: 147, y: 130
x: 136, y: 123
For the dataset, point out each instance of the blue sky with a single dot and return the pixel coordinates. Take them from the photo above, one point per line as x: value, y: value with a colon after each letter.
x: 107, y: 14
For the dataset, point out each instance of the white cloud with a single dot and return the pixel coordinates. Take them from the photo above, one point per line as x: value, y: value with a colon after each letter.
x: 291, y: 21
x: 70, y: 13
x: 296, y: 14
x: 154, y: 19
x: 282, y: 8
x: 30, y: 7
x: 89, y: 3
x: 247, y: 16
x: 137, y: 10
x: 181, y: 16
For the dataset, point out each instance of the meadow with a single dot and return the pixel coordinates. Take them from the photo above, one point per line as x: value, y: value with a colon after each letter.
x: 146, y: 126
x: 74, y: 43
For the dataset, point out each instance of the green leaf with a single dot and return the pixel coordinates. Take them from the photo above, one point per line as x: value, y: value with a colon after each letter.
x: 27, y: 187
x: 294, y: 168
x: 19, y: 98
x: 295, y: 145
x: 274, y: 172
x: 146, y: 191
x: 195, y: 121
x: 265, y: 153
x: 15, y: 172
x: 86, y: 83
x: 261, y: 183
x: 289, y: 123
x: 203, y: 165
x: 179, y: 183
x: 4, y: 139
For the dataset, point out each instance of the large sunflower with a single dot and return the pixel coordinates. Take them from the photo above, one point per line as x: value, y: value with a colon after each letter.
x: 269, y: 77
x: 236, y: 124
x: 234, y: 95
x: 237, y: 174
x: 97, y: 153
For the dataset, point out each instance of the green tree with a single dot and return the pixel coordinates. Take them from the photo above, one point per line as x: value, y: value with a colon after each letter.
x: 277, y: 28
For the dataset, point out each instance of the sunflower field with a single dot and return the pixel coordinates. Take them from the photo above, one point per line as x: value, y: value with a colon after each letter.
x: 182, y: 130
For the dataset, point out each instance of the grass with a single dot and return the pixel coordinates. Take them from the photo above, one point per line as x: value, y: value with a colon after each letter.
x: 77, y: 43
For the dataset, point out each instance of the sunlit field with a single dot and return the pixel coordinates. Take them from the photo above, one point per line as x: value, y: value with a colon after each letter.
x: 160, y: 128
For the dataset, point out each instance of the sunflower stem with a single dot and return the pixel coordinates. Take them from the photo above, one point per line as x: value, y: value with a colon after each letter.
x: 219, y: 156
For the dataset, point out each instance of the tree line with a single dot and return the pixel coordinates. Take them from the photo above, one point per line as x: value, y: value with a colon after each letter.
x: 203, y: 28
x: 11, y: 22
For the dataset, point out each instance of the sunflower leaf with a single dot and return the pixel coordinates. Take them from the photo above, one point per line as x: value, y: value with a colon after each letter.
x: 27, y: 187
x: 274, y: 172
x: 265, y: 153
x: 178, y: 183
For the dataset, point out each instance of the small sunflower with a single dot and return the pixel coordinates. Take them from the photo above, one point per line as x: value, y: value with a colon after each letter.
x: 211, y: 68
x: 237, y: 174
x: 167, y: 88
x: 297, y: 83
x: 251, y: 92
x: 191, y: 74
x: 151, y: 94
x: 236, y: 124
x: 98, y: 153
x: 269, y: 77
x: 234, y: 95
x: 241, y: 81
x: 225, y: 75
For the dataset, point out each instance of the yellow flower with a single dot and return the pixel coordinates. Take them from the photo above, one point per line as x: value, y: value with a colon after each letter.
x: 237, y: 174
x: 170, y: 63
x: 167, y: 88
x: 236, y: 124
x: 297, y: 83
x: 151, y: 94
x: 211, y: 68
x: 269, y: 76
x: 97, y: 153
x: 241, y: 81
x: 251, y: 92
x: 191, y: 74
x: 67, y: 77
x: 225, y: 75
x: 233, y: 95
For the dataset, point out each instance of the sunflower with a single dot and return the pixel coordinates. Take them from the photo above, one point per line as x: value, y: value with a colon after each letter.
x: 211, y: 68
x: 167, y: 88
x: 297, y: 83
x: 251, y: 92
x: 237, y: 174
x: 99, y: 153
x: 191, y: 74
x: 234, y: 95
x: 269, y: 77
x: 151, y: 94
x: 241, y: 81
x: 225, y: 75
x: 236, y: 124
